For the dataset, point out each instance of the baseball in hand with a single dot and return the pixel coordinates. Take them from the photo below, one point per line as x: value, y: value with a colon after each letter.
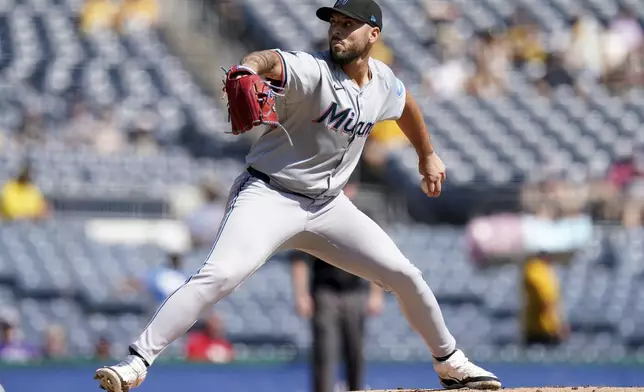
x: 424, y: 186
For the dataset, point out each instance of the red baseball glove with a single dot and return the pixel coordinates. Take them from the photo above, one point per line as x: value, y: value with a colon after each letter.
x: 251, y: 101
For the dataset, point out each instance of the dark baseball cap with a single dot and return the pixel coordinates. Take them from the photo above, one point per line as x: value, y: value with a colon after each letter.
x: 367, y: 11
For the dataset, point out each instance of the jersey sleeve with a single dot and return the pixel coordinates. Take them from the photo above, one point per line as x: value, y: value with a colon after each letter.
x: 396, y: 96
x: 301, y: 73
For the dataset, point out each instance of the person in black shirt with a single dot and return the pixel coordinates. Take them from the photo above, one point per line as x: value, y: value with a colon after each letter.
x: 338, y: 304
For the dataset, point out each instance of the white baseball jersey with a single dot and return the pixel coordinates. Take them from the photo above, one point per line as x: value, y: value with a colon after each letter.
x: 328, y: 118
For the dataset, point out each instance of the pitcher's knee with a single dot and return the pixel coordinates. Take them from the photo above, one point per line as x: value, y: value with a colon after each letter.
x: 407, y: 277
x: 214, y: 281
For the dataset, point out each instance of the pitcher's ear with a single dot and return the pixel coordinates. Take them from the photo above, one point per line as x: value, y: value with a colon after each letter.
x: 374, y: 34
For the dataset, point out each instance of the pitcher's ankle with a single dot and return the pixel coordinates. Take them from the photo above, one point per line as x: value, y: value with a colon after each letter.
x: 135, y: 353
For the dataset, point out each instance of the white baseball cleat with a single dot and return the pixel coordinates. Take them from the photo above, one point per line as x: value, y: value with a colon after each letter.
x: 458, y: 372
x: 126, y: 375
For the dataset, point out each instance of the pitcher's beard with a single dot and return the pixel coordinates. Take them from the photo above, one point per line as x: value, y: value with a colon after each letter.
x: 344, y: 58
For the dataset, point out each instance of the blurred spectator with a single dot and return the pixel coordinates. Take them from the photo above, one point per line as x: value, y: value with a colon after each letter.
x: 55, y: 343
x: 98, y: 15
x: 604, y: 201
x: 635, y: 68
x: 122, y: 14
x: 535, y: 202
x: 525, y: 40
x: 385, y: 137
x: 209, y: 344
x: 440, y: 10
x: 628, y: 75
x: 572, y: 198
x: 102, y: 348
x: 627, y: 177
x: 551, y: 195
x: 138, y: 13
x: 101, y: 131
x: 389, y: 135
x: 556, y: 74
x: 627, y: 170
x: 81, y: 125
x: 633, y: 215
x: 203, y: 224
x: 20, y: 198
x: 542, y: 323
x: 232, y: 20
x: 141, y: 136
x: 583, y: 47
x: 623, y: 37
x: 143, y: 141
x: 450, y: 78
x: 380, y: 51
x: 158, y: 282
x: 107, y: 137
x: 492, y: 65
x: 32, y: 128
x: 13, y: 348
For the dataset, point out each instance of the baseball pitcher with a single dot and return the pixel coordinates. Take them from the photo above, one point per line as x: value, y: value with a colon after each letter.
x: 317, y: 109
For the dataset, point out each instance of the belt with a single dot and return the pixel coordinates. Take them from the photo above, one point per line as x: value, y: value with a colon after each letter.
x: 264, y: 177
x: 256, y: 173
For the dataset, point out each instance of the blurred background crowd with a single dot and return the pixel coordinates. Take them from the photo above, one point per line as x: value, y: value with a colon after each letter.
x: 115, y: 167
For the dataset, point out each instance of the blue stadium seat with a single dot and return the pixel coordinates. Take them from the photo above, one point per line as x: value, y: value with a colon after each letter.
x: 481, y: 308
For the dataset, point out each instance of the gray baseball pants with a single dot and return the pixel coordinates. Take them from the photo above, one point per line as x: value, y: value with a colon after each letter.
x: 260, y: 221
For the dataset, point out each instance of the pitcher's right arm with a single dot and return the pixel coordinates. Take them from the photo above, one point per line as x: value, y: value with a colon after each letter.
x: 298, y: 73
x: 267, y: 63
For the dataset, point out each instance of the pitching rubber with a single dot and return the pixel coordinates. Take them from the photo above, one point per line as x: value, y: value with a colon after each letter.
x: 110, y: 381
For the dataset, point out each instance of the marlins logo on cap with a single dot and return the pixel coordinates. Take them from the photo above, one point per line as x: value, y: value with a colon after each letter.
x: 341, y: 2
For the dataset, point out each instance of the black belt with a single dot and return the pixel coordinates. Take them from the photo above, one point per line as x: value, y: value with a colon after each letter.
x: 256, y: 173
x: 264, y: 177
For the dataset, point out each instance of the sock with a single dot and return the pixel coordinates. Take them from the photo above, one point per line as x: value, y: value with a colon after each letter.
x: 445, y: 358
x: 132, y: 352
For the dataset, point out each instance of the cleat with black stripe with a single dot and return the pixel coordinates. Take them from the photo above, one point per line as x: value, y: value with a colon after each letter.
x: 458, y: 372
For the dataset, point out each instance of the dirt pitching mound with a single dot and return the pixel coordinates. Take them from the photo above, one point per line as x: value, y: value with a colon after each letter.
x: 540, y: 389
